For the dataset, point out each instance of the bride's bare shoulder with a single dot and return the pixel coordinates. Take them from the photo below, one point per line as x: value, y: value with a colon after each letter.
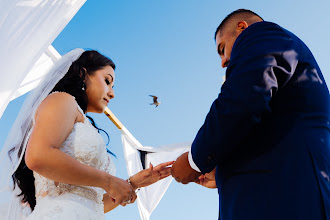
x: 60, y: 99
x: 58, y: 104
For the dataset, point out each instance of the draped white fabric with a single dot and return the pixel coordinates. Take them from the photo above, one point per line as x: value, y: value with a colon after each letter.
x: 27, y: 28
x: 40, y: 68
x: 149, y: 197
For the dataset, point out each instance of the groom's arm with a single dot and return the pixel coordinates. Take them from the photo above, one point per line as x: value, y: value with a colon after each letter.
x: 261, y: 63
x: 254, y: 76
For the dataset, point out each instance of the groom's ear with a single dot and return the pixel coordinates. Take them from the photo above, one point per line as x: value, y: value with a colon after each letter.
x: 241, y: 26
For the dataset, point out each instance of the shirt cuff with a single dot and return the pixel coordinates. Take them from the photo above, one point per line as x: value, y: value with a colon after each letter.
x: 191, y: 162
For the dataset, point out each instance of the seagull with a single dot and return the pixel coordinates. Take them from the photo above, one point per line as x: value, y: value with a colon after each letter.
x: 156, y: 103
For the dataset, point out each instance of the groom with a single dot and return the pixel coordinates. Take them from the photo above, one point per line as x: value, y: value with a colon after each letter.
x: 267, y: 135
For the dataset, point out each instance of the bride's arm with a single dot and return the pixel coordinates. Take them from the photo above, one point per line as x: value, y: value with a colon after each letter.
x: 54, y: 121
x: 109, y: 203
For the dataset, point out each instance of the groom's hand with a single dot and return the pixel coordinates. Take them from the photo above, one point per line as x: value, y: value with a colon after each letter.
x: 182, y: 171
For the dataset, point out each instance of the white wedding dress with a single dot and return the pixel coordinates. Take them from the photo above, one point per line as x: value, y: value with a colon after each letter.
x: 65, y: 201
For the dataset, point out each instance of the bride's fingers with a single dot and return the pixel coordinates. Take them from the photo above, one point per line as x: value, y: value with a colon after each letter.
x: 168, y: 163
x: 163, y: 165
x: 146, y: 172
x: 164, y: 176
x: 151, y: 168
x: 162, y: 172
x: 165, y: 173
x: 130, y: 199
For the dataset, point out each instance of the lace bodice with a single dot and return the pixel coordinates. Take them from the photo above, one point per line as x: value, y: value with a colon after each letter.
x: 86, y: 145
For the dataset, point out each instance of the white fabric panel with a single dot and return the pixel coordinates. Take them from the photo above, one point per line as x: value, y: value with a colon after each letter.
x: 149, y: 197
x: 44, y: 63
x: 27, y: 28
x: 8, y: 5
x: 4, y: 202
x: 40, y: 68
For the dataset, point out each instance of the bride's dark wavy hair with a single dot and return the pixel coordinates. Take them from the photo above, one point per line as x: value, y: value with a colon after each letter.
x: 72, y: 83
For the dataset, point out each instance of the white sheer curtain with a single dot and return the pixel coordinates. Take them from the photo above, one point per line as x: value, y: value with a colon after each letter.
x: 149, y: 197
x: 40, y: 68
x: 45, y: 62
x: 27, y: 28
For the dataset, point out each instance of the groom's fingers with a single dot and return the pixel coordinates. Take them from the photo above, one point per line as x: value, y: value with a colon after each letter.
x: 178, y: 180
x: 182, y: 181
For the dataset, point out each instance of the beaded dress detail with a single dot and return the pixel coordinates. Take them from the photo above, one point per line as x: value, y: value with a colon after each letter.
x: 65, y: 201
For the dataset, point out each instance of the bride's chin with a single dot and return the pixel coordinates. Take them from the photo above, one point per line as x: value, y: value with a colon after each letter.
x: 103, y: 109
x: 98, y: 110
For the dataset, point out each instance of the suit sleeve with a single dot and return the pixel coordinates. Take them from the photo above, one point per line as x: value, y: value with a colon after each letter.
x: 262, y: 62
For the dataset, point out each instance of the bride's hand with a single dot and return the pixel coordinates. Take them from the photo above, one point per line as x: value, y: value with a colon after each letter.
x: 151, y: 175
x: 120, y: 190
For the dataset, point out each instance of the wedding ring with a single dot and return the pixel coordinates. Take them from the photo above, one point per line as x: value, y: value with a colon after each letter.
x: 128, y: 200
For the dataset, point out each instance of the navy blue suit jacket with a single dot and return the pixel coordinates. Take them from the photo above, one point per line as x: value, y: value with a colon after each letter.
x: 268, y: 131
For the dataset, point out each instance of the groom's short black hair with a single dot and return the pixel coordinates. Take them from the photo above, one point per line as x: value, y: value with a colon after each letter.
x: 240, y: 12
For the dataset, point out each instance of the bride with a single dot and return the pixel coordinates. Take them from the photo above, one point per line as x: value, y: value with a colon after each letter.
x: 60, y: 165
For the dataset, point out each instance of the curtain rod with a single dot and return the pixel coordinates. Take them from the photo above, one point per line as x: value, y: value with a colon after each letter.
x: 113, y: 118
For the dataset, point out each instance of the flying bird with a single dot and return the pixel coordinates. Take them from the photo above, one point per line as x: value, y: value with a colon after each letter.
x: 156, y: 103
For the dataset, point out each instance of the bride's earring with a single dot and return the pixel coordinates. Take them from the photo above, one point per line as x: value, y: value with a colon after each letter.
x: 83, y: 75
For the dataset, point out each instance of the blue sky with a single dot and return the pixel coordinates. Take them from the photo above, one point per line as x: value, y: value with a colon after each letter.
x: 166, y: 48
